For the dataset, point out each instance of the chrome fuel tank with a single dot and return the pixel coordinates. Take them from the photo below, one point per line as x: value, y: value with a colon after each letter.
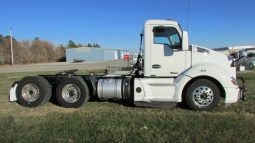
x: 109, y: 88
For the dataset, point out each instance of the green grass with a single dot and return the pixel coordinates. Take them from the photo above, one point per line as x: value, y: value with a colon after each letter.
x: 113, y: 122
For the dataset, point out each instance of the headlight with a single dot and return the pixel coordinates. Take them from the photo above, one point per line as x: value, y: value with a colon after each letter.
x: 233, y: 80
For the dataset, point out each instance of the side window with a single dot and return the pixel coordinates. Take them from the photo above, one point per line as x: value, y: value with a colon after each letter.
x: 175, y: 39
x: 167, y: 36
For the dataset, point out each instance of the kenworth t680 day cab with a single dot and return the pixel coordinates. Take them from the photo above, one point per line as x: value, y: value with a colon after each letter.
x: 171, y: 71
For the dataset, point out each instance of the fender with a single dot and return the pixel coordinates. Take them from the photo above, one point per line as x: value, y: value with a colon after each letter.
x: 221, y: 74
x: 225, y: 76
x: 210, y: 70
x: 180, y: 82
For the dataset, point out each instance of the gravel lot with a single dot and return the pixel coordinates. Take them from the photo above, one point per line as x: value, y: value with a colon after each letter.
x: 55, y: 67
x: 115, y: 65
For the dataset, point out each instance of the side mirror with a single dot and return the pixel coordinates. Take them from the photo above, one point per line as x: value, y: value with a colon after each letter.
x: 185, y: 41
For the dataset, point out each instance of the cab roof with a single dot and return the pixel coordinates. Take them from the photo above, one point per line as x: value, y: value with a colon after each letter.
x: 159, y: 22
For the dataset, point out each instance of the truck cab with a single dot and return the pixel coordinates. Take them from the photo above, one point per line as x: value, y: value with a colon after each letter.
x: 163, y: 48
x: 176, y: 71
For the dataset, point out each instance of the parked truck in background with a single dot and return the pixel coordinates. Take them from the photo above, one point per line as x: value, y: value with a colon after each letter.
x: 246, y: 58
x: 172, y: 71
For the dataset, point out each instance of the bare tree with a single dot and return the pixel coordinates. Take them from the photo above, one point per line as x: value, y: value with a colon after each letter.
x: 39, y: 53
x: 23, y: 53
x: 60, y: 53
x: 5, y: 47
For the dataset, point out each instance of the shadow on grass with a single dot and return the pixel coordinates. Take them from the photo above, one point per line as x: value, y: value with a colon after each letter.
x: 126, y: 103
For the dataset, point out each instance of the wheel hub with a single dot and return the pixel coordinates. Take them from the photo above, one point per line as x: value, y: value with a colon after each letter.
x: 30, y: 92
x: 71, y: 93
x: 203, y: 96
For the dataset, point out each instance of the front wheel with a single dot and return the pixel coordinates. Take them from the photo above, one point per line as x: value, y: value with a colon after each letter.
x: 202, y: 95
x: 72, y: 92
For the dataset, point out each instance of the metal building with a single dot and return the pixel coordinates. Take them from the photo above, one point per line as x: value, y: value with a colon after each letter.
x: 94, y: 54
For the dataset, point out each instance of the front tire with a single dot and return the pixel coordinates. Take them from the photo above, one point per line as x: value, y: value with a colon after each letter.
x: 72, y: 92
x: 202, y: 95
x: 33, y: 91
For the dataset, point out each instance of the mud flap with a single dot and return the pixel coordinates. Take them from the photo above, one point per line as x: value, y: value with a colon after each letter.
x: 242, y: 88
x: 12, y: 95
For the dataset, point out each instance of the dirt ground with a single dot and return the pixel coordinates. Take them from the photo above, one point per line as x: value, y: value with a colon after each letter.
x: 54, y: 67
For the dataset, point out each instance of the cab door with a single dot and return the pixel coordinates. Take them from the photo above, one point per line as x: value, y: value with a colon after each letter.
x: 167, y: 58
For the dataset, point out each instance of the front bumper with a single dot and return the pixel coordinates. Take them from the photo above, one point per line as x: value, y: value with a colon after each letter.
x: 235, y: 94
x: 232, y: 95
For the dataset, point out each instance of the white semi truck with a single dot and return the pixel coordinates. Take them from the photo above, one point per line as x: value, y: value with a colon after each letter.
x: 171, y: 71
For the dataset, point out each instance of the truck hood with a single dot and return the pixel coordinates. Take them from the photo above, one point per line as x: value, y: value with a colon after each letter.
x: 204, y: 55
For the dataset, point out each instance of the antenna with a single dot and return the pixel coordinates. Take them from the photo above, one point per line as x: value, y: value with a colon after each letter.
x: 188, y: 14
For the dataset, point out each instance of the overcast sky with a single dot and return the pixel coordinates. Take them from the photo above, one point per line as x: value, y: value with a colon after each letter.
x: 117, y: 23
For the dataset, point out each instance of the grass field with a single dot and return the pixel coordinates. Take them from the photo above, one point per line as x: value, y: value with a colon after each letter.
x: 113, y: 122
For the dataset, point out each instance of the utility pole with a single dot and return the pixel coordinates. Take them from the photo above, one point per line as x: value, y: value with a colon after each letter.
x: 188, y: 15
x: 12, y: 61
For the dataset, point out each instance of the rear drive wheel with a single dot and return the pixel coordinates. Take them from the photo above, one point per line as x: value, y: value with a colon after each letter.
x: 72, y: 92
x: 33, y: 91
x: 202, y: 95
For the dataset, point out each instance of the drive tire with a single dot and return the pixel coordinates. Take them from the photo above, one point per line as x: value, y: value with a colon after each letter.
x: 202, y: 95
x: 33, y: 91
x: 72, y: 92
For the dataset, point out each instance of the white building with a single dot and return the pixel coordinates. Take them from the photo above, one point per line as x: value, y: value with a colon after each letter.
x: 94, y: 54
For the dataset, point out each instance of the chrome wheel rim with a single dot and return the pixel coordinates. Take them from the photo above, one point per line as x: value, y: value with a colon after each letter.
x: 203, y: 96
x: 71, y: 93
x: 30, y: 92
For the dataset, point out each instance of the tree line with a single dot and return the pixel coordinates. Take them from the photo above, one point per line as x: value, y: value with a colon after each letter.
x: 72, y: 44
x: 34, y: 51
x: 26, y: 51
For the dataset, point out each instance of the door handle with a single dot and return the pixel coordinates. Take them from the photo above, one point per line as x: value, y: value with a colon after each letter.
x: 156, y: 66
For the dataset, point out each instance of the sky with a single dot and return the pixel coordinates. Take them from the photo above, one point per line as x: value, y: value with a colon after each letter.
x: 118, y: 23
